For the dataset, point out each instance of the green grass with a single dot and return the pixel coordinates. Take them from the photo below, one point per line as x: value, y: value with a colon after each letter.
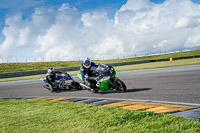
x: 159, y: 64
x: 32, y: 77
x: 65, y: 117
x: 18, y: 67
x: 125, y: 68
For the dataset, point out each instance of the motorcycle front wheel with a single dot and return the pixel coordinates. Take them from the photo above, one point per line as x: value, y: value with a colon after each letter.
x: 76, y: 85
x: 121, y: 87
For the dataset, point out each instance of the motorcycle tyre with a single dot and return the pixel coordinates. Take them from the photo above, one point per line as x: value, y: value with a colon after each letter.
x: 122, y: 87
x: 77, y: 86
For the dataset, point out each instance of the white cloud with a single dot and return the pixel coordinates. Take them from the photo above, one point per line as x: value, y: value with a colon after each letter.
x: 138, y: 27
x: 158, y: 27
x: 110, y: 46
x: 135, y: 5
x: 187, y: 22
x: 21, y: 32
x: 193, y: 41
x: 161, y: 44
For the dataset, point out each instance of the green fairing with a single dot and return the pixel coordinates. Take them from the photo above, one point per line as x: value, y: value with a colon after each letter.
x: 79, y: 75
x: 104, y: 85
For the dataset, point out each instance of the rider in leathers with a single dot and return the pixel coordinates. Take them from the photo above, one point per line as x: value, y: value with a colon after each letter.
x: 51, y: 76
x: 86, y: 72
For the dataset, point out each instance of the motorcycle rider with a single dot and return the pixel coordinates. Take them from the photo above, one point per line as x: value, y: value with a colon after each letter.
x: 86, y: 72
x: 50, y: 78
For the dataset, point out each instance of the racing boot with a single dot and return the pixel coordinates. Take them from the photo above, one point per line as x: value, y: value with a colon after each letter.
x: 90, y: 83
x: 87, y: 83
x: 51, y: 88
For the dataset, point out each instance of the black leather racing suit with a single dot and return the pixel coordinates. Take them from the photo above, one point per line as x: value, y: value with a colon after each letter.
x: 51, y: 77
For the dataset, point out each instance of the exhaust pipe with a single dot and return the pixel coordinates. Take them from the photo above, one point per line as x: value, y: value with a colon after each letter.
x: 81, y: 84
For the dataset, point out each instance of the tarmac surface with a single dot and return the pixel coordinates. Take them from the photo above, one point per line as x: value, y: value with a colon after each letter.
x: 173, y: 85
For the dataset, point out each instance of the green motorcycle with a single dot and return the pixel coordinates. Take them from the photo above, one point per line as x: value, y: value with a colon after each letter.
x: 108, y: 80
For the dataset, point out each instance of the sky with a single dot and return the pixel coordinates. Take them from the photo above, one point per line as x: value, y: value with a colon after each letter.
x: 65, y: 30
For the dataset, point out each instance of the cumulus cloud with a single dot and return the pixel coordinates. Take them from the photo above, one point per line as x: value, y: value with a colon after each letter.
x: 193, y: 41
x: 20, y: 33
x: 158, y: 27
x: 138, y: 27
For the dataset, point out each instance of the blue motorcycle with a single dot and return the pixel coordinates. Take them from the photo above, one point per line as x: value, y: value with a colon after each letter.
x: 63, y: 81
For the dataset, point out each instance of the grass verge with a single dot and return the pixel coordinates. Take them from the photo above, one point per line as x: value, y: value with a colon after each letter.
x: 159, y: 64
x: 125, y: 68
x: 19, y: 67
x: 31, y: 77
x: 65, y: 117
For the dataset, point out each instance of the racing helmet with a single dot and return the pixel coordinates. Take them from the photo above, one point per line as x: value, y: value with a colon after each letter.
x: 50, y: 70
x: 86, y: 62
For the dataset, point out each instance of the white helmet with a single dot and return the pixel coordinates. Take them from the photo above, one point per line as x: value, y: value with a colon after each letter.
x: 50, y: 70
x: 86, y: 62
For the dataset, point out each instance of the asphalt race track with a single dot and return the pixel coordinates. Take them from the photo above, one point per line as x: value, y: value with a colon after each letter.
x: 173, y: 84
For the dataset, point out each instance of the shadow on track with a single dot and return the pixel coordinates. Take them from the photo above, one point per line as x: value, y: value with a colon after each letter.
x: 127, y: 91
x: 138, y: 89
x: 108, y: 91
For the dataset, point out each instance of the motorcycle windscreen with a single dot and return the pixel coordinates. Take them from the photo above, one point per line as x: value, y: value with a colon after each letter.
x: 104, y: 70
